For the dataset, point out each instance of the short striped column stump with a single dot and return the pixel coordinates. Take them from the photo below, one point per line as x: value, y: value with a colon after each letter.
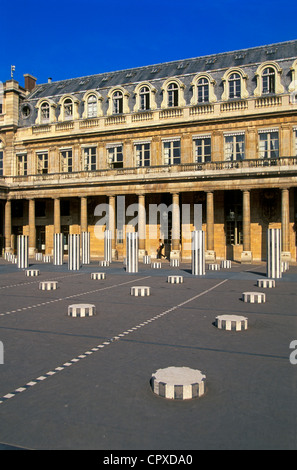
x: 156, y: 265
x: 226, y: 264
x: 214, y: 267
x: 254, y: 297
x: 174, y: 263
x: 38, y: 256
x: 32, y: 272
x: 266, y: 283
x: 231, y: 322
x: 141, y: 291
x: 98, y: 276
x: 146, y: 259
x: 285, y: 265
x: 175, y: 279
x: 81, y: 310
x: 48, y: 285
x: 46, y: 259
x: 104, y: 263
x: 178, y: 383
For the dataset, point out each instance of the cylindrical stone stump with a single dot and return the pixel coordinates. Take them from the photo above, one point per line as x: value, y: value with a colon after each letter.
x: 214, y: 267
x: 22, y: 251
x: 266, y: 283
x: 104, y: 263
x: 178, y: 383
x: 74, y: 252
x: 254, y: 297
x: 38, y: 256
x: 140, y: 291
x: 198, y: 253
x: 98, y: 276
x: 285, y: 266
x: 58, y: 249
x: 232, y: 322
x: 85, y: 247
x: 48, y: 285
x: 175, y: 279
x: 156, y: 265
x: 226, y: 264
x: 132, y: 252
x: 81, y: 310
x: 274, y: 253
x: 47, y: 258
x: 32, y: 272
x: 146, y: 259
x: 108, y: 245
x: 174, y: 263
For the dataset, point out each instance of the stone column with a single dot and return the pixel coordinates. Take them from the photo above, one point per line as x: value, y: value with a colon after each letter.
x: 246, y: 256
x: 112, y: 224
x: 8, y: 247
x: 175, y: 234
x: 32, y: 228
x: 210, y: 253
x: 141, y: 225
x: 84, y: 214
x: 57, y: 216
x: 286, y: 254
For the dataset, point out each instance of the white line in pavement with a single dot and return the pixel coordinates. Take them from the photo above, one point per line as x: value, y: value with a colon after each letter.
x: 105, y: 343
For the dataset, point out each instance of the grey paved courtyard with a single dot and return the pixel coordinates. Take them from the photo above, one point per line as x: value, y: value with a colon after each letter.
x: 84, y: 383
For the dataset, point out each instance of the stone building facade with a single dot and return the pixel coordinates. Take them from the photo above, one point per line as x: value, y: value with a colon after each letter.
x: 139, y: 148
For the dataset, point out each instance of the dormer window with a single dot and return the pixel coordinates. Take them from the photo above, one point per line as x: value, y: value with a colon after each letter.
x: 117, y: 102
x: 234, y: 81
x: 92, y: 106
x: 68, y: 109
x: 268, y: 77
x: 203, y: 90
x: 144, y: 95
x: 234, y: 86
x: 45, y: 112
x: 268, y: 80
x: 172, y: 95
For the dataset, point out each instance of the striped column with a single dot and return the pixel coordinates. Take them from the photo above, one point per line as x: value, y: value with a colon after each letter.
x: 23, y: 251
x: 58, y: 249
x: 85, y: 240
x: 198, y: 253
x: 132, y: 252
x: 108, y: 245
x: 274, y: 253
x: 73, y: 252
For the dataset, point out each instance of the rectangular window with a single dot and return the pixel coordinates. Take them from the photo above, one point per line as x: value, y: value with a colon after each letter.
x: 202, y: 149
x: 42, y: 163
x: 115, y: 156
x: 171, y: 152
x: 66, y: 161
x: 1, y: 163
x: 22, y: 165
x: 143, y: 154
x: 89, y: 157
x: 269, y: 144
x: 234, y: 147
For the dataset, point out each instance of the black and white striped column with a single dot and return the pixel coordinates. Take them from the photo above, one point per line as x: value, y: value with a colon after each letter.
x: 132, y: 252
x: 74, y: 252
x: 198, y: 253
x: 274, y: 253
x: 85, y: 240
x: 108, y: 245
x: 58, y: 249
x: 22, y: 251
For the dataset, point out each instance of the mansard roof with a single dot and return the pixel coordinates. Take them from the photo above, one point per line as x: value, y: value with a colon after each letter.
x: 178, y: 68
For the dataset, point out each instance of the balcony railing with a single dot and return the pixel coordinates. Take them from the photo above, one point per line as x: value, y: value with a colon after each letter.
x: 195, y: 169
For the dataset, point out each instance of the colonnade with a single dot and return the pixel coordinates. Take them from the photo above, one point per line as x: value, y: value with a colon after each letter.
x: 176, y: 215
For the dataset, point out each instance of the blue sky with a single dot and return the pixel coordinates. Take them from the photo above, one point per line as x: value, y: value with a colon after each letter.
x: 70, y: 38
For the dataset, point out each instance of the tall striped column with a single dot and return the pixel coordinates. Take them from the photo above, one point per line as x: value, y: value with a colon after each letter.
x: 108, y: 245
x: 23, y: 251
x: 198, y: 253
x: 73, y: 252
x: 58, y: 249
x: 132, y: 252
x: 274, y: 253
x: 85, y: 240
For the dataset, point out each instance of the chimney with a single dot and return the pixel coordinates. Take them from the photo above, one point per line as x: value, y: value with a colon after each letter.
x: 30, y: 82
x: 49, y: 80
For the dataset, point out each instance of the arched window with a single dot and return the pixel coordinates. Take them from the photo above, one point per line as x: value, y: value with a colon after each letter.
x: 92, y: 106
x: 268, y: 80
x: 172, y: 95
x: 45, y: 112
x: 68, y: 109
x: 234, y: 86
x: 203, y: 90
x: 144, y: 95
x: 117, y: 102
